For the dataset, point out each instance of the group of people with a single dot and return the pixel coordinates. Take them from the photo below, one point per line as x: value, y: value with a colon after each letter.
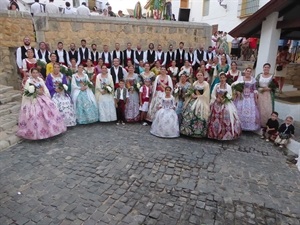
x: 216, y: 100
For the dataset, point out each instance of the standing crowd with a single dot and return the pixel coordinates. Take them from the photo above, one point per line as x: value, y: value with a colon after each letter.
x: 198, y: 93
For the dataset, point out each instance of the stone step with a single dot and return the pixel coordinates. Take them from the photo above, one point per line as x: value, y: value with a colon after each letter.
x: 9, y: 138
x: 10, y: 107
x: 8, y: 121
x: 4, y: 89
x: 10, y: 96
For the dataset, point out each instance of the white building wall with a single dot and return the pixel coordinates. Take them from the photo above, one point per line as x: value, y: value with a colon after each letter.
x: 227, y: 19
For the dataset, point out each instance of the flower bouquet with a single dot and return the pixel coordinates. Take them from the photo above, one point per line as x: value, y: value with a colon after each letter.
x: 137, y: 86
x: 189, y: 92
x: 273, y: 85
x: 31, y: 91
x: 107, y: 88
x: 66, y: 71
x: 177, y: 92
x: 41, y: 63
x: 87, y: 83
x: 229, y: 79
x: 226, y: 98
x: 238, y: 87
x: 61, y: 86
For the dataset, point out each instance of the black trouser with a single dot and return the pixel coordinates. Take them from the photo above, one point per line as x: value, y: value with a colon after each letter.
x: 121, y: 110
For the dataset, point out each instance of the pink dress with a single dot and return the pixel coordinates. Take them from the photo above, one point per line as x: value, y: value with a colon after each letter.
x: 39, y: 118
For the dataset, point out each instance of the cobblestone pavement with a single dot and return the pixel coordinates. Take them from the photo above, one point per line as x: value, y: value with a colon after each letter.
x: 104, y: 174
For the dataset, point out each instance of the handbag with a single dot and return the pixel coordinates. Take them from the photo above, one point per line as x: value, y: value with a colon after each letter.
x: 278, y: 68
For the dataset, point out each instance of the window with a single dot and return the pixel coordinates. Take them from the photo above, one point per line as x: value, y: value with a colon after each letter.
x: 248, y: 7
x: 205, y: 7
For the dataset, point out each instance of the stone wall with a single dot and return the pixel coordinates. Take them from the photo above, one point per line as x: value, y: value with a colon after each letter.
x: 95, y: 29
x: 14, y: 27
x: 102, y: 30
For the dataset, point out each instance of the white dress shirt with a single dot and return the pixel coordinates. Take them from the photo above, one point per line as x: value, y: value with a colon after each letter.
x: 118, y: 54
x: 116, y: 72
x: 158, y: 56
x: 51, y: 8
x: 61, y: 56
x: 121, y: 94
x: 19, y: 56
x: 105, y: 57
x: 69, y: 11
x: 83, y: 10
x: 36, y: 8
x: 43, y: 58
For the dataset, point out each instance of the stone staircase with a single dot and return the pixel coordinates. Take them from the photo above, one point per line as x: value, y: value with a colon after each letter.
x: 293, y: 75
x: 10, y: 103
x: 242, y: 65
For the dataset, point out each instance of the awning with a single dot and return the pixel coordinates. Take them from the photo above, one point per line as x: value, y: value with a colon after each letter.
x: 289, y: 14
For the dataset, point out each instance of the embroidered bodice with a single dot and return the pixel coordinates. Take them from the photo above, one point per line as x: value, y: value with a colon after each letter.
x: 167, y: 103
x: 264, y: 81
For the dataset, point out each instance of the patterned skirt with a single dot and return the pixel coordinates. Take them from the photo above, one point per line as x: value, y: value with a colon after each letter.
x: 64, y: 104
x: 223, y: 123
x: 39, y: 119
x: 86, y: 110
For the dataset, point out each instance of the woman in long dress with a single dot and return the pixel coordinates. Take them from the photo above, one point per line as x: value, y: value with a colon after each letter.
x: 224, y: 123
x: 156, y: 68
x: 57, y: 86
x: 84, y: 100
x: 28, y: 63
x: 89, y: 69
x: 282, y: 60
x: 173, y: 72
x: 246, y: 102
x: 180, y: 90
x: 39, y: 118
x: 220, y: 67
x: 158, y: 91
x: 233, y: 74
x: 97, y: 70
x: 132, y: 81
x: 188, y: 69
x: 104, y: 97
x: 224, y: 43
x: 196, y: 111
x: 147, y: 74
x: 165, y: 123
x: 265, y: 95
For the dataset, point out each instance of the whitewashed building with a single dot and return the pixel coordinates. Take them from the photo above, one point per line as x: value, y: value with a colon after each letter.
x: 223, y: 15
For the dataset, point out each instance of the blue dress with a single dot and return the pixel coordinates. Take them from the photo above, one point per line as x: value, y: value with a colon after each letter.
x: 84, y: 101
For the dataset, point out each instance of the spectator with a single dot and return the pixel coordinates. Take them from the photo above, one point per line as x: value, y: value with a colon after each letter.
x: 83, y: 10
x: 110, y: 12
x: 36, y: 8
x: 120, y: 13
x: 235, y: 49
x: 51, y: 8
x: 14, y: 6
x: 95, y: 11
x: 69, y: 10
x: 104, y: 13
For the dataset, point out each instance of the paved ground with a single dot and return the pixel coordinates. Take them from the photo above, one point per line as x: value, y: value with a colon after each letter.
x: 99, y: 174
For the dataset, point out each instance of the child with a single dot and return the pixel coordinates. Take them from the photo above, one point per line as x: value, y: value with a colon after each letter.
x: 285, y: 132
x: 270, y: 131
x: 165, y: 123
x: 121, y: 98
x: 145, y: 95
